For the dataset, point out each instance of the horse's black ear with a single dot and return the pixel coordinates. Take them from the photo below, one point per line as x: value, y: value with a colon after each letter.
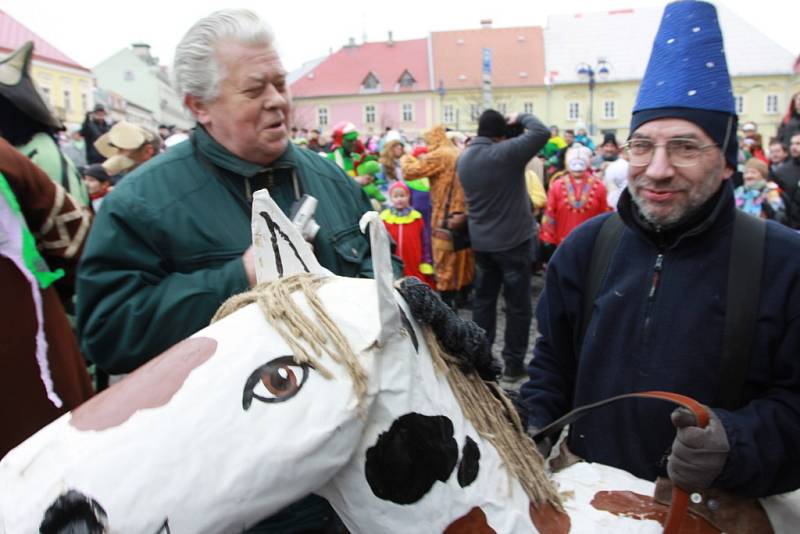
x: 458, y: 337
x: 74, y: 513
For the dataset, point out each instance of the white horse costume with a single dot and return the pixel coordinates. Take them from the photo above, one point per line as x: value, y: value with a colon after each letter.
x: 249, y: 415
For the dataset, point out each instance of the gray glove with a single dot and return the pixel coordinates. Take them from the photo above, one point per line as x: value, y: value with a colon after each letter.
x: 698, y: 454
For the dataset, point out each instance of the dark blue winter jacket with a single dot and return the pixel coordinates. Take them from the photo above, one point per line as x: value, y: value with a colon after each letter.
x: 668, y: 336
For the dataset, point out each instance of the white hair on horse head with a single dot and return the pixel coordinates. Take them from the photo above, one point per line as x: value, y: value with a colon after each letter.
x: 379, y: 400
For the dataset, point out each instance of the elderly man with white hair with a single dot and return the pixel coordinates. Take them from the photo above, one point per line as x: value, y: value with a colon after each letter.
x: 173, y: 240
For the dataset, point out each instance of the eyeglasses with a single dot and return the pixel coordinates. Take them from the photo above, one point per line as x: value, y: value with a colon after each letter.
x: 682, y: 152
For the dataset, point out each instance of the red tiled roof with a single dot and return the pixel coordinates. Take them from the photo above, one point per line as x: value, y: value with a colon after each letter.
x: 343, y: 72
x: 517, y: 57
x: 14, y: 34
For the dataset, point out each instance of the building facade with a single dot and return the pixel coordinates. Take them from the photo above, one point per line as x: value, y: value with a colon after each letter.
x: 374, y: 85
x: 136, y: 74
x: 66, y: 85
x: 532, y: 69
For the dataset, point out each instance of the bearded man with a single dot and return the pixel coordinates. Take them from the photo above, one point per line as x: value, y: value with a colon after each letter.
x: 660, y: 314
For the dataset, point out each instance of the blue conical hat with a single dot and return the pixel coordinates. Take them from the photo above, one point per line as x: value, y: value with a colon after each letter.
x: 687, y: 67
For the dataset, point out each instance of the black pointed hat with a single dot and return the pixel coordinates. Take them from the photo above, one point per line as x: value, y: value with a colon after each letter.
x: 17, y: 86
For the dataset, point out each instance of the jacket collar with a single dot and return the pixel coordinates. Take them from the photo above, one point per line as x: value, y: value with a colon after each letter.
x: 480, y: 140
x: 718, y: 211
x: 224, y: 158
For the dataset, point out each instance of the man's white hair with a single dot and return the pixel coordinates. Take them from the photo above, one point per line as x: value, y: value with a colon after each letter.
x: 196, y: 69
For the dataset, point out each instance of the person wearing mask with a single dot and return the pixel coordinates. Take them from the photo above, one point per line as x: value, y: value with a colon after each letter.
x: 573, y: 198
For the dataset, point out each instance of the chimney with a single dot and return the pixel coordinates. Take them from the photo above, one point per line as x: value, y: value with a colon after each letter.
x: 486, y: 24
x: 390, y: 41
x: 351, y: 43
x: 141, y: 49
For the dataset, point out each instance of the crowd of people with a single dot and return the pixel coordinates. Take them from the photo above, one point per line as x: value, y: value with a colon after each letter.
x: 153, y: 228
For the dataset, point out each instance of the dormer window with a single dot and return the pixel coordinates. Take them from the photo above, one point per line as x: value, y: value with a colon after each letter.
x: 406, y: 79
x: 371, y: 83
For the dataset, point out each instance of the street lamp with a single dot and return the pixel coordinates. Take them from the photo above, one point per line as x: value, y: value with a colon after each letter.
x: 587, y: 73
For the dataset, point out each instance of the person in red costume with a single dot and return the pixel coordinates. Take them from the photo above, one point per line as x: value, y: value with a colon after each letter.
x: 573, y: 198
x: 406, y: 226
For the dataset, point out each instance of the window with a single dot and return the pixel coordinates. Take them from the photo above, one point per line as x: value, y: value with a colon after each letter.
x: 772, y: 104
x: 67, y: 101
x: 448, y: 114
x: 84, y: 103
x: 46, y: 95
x: 128, y: 76
x: 502, y: 108
x: 474, y: 112
x: 369, y: 114
x: 527, y: 107
x: 406, y: 80
x: 322, y: 116
x: 739, y: 102
x: 371, y: 83
x: 408, y: 112
x: 609, y: 109
x: 573, y: 111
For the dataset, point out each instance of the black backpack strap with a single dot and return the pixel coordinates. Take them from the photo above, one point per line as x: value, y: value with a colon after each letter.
x: 604, y: 246
x: 741, y: 314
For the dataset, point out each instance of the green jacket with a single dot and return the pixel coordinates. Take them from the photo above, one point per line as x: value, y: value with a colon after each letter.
x: 165, y: 248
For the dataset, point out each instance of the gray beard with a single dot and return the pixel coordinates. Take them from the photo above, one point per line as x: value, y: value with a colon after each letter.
x: 682, y: 213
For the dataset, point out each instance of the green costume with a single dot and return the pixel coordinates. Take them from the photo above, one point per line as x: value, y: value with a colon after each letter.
x: 44, y: 152
x: 165, y: 250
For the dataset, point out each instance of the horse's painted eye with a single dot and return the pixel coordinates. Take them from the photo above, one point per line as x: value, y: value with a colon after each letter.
x: 275, y: 381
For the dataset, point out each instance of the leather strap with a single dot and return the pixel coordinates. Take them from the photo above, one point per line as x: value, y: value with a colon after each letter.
x: 741, y: 313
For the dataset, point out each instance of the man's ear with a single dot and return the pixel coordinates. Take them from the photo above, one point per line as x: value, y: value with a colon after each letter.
x: 728, y: 171
x: 198, y: 108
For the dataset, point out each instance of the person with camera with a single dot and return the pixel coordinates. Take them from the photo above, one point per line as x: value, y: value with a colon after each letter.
x: 492, y: 173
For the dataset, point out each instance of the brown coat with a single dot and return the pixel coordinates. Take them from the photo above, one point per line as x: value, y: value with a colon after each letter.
x: 453, y: 270
x: 24, y: 405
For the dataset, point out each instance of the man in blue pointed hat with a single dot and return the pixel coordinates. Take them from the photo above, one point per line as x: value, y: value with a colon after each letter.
x: 678, y: 293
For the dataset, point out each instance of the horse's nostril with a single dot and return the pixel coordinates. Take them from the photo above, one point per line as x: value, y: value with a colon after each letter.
x: 74, y: 513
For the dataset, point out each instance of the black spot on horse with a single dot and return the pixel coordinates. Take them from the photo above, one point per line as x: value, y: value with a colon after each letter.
x: 74, y: 513
x: 470, y: 463
x: 410, y: 457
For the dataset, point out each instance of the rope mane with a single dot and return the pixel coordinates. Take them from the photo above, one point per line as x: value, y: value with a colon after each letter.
x: 483, y: 403
x: 307, y: 338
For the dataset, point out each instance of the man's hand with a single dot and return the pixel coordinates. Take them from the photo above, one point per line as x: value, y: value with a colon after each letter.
x: 249, y: 260
x: 698, y: 454
x: 512, y: 119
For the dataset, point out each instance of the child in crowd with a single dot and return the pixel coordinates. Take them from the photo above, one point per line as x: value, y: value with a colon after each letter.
x: 759, y: 196
x: 406, y: 226
x: 98, y: 183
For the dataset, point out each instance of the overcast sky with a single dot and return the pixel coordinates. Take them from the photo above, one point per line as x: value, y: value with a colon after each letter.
x: 89, y: 31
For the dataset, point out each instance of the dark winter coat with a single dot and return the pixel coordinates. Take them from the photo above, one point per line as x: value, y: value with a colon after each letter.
x: 167, y: 246
x: 668, y: 336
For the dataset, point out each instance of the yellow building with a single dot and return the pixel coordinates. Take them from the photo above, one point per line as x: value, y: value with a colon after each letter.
x: 616, y: 46
x: 66, y: 85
